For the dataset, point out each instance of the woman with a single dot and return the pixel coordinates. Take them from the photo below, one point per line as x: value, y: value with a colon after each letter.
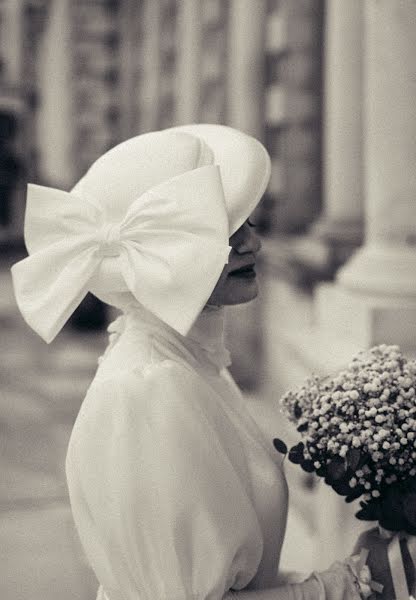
x: 175, y: 493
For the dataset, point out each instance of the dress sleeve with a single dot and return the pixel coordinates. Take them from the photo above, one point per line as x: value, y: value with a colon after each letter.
x: 161, y: 509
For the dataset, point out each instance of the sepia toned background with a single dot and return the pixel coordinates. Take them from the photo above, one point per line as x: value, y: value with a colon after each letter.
x: 330, y: 89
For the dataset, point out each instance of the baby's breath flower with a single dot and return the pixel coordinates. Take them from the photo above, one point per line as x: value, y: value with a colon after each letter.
x: 383, y: 433
x: 343, y: 450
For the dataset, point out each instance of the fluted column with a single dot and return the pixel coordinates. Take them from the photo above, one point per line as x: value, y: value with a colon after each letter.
x: 374, y: 298
x: 246, y: 66
x: 188, y: 86
x: 342, y: 144
x: 11, y: 43
x: 244, y: 111
x: 151, y: 62
x: 130, y: 16
x: 386, y: 264
x: 54, y: 118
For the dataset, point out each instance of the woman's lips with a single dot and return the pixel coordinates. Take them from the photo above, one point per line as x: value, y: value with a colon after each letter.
x: 246, y: 272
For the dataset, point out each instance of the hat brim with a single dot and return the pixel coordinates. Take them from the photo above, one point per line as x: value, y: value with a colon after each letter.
x: 244, y: 166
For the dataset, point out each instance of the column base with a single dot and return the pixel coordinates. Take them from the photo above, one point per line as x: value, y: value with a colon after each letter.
x: 382, y: 270
x: 342, y: 231
x: 341, y: 237
x: 317, y: 255
x: 366, y: 319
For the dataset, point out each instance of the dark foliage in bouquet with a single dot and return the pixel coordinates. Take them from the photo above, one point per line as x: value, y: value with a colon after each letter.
x: 359, y: 434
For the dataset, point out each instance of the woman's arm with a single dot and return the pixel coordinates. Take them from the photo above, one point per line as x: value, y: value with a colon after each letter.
x: 297, y: 591
x: 339, y: 582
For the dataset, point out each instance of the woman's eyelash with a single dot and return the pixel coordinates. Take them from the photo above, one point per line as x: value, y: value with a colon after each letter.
x: 250, y: 223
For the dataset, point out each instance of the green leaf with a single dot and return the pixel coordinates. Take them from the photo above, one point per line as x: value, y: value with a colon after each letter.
x: 280, y: 446
x: 296, y: 453
x: 367, y: 514
x: 341, y: 487
x: 336, y: 468
x: 307, y: 465
x: 353, y: 458
x: 355, y: 493
x: 409, y: 508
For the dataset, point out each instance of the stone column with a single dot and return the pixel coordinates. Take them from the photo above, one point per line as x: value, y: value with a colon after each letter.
x: 375, y: 297
x: 188, y: 86
x: 386, y: 264
x: 245, y: 85
x: 12, y: 103
x: 244, y: 98
x: 130, y: 16
x: 55, y: 121
x: 11, y: 43
x: 342, y: 144
x: 151, y: 64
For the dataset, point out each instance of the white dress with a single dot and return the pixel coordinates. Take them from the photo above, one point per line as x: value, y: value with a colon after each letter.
x: 175, y: 493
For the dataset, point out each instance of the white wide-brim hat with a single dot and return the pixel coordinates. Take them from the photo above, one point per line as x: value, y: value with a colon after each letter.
x: 244, y: 166
x: 136, y: 165
x: 150, y: 221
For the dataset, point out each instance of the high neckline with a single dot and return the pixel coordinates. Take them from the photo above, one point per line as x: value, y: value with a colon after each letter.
x: 208, y: 329
x: 205, y: 339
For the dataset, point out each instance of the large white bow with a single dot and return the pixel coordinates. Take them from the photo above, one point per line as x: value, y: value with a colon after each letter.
x: 168, y: 251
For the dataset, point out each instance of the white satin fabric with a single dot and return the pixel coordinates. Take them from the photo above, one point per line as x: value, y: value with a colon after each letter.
x: 174, y: 490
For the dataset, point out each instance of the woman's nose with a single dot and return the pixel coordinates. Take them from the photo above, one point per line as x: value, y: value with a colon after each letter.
x: 247, y: 241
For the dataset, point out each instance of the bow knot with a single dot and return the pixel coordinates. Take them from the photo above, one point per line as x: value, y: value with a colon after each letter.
x: 109, y: 240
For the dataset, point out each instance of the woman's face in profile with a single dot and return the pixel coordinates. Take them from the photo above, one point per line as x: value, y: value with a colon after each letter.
x: 238, y: 283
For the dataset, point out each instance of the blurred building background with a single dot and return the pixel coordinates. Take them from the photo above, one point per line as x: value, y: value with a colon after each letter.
x: 330, y: 89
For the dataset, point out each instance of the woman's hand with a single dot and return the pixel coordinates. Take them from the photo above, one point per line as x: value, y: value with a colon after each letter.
x: 361, y: 572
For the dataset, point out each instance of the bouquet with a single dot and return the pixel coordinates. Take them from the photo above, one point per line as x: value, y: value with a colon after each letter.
x: 359, y: 435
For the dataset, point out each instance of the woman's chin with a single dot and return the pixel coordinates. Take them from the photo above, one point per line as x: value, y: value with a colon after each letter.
x: 240, y: 292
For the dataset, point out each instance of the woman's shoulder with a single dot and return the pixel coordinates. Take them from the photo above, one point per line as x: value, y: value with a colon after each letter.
x: 166, y: 387
x: 144, y: 373
x: 166, y: 398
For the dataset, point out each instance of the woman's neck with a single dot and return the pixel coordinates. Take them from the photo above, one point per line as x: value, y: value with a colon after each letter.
x: 208, y: 329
